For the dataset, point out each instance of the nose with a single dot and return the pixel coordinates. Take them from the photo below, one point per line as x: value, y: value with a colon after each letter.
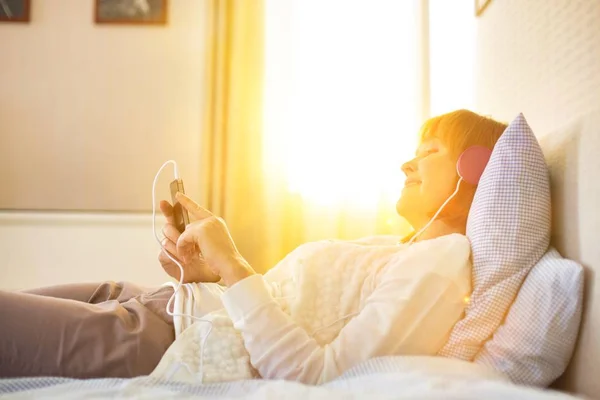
x: 409, y: 167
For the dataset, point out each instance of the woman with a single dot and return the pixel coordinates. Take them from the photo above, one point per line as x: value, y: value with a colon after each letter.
x: 125, y: 331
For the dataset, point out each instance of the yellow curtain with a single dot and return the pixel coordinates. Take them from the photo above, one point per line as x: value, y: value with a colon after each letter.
x: 231, y: 152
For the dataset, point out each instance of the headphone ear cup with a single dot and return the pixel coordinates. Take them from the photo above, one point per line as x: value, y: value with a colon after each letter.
x: 472, y: 163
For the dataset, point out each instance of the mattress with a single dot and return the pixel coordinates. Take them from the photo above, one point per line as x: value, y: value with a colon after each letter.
x: 408, y: 377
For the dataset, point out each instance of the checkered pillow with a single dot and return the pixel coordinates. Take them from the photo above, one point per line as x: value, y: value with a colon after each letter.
x: 536, y: 341
x: 509, y: 230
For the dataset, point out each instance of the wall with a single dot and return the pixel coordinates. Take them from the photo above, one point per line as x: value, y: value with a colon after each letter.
x: 89, y: 112
x: 540, y: 58
x: 543, y: 59
x: 43, y: 249
x: 87, y: 115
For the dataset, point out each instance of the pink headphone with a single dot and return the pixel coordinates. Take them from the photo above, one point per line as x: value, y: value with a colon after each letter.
x: 472, y: 163
x: 470, y: 167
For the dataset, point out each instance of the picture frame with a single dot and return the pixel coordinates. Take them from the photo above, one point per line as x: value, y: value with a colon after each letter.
x: 15, y: 10
x: 131, y: 12
x: 480, y: 6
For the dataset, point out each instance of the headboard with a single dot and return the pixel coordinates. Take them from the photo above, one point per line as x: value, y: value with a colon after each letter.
x: 574, y: 162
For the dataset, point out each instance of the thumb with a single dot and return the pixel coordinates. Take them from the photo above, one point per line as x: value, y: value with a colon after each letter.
x: 192, y: 207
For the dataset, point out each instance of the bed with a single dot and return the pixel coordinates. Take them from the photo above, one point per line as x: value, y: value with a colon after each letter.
x: 415, y: 377
x: 576, y: 194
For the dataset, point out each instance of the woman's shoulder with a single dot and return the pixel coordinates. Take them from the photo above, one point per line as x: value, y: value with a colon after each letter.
x: 456, y: 238
x: 445, y: 257
x: 454, y: 243
x: 449, y: 249
x: 452, y: 239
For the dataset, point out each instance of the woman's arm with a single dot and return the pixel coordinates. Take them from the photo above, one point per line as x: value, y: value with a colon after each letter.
x: 403, y: 315
x: 415, y: 304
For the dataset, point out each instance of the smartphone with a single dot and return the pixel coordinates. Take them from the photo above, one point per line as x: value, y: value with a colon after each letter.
x: 180, y: 214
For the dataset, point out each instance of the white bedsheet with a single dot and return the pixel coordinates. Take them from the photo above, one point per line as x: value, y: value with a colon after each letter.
x: 383, y: 378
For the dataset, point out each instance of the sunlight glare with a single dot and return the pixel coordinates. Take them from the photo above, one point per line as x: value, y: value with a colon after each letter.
x: 341, y: 109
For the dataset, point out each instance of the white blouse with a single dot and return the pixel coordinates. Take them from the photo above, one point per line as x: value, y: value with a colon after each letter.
x: 331, y: 305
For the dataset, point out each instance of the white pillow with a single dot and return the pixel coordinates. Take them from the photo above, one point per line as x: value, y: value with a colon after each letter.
x: 535, y: 343
x: 509, y: 229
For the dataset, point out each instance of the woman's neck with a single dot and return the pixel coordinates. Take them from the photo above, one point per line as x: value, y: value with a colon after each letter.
x: 439, y: 228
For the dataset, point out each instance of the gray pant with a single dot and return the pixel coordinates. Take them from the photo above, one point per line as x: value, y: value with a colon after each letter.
x: 84, y: 330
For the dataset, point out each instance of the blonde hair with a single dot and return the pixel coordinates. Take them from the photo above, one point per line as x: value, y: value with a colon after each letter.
x: 459, y: 130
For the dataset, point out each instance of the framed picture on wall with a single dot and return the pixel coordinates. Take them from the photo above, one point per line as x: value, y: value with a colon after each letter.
x: 14, y: 10
x: 137, y: 12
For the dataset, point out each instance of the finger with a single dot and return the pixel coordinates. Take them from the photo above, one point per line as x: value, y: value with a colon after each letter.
x: 169, y: 266
x: 170, y: 247
x: 167, y: 209
x: 193, y: 208
x: 171, y: 232
x: 186, y: 245
x: 163, y: 258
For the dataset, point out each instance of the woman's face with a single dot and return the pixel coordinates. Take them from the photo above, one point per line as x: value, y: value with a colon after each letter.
x: 431, y: 178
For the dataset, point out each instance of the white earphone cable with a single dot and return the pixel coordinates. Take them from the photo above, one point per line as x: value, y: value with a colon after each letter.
x: 412, y: 239
x: 354, y: 314
x: 180, y: 283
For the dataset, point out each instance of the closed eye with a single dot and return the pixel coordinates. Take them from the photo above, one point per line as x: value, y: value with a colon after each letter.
x: 427, y: 152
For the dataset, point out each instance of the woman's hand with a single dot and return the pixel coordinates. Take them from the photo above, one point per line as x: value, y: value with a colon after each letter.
x: 208, y: 238
x: 195, y: 269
